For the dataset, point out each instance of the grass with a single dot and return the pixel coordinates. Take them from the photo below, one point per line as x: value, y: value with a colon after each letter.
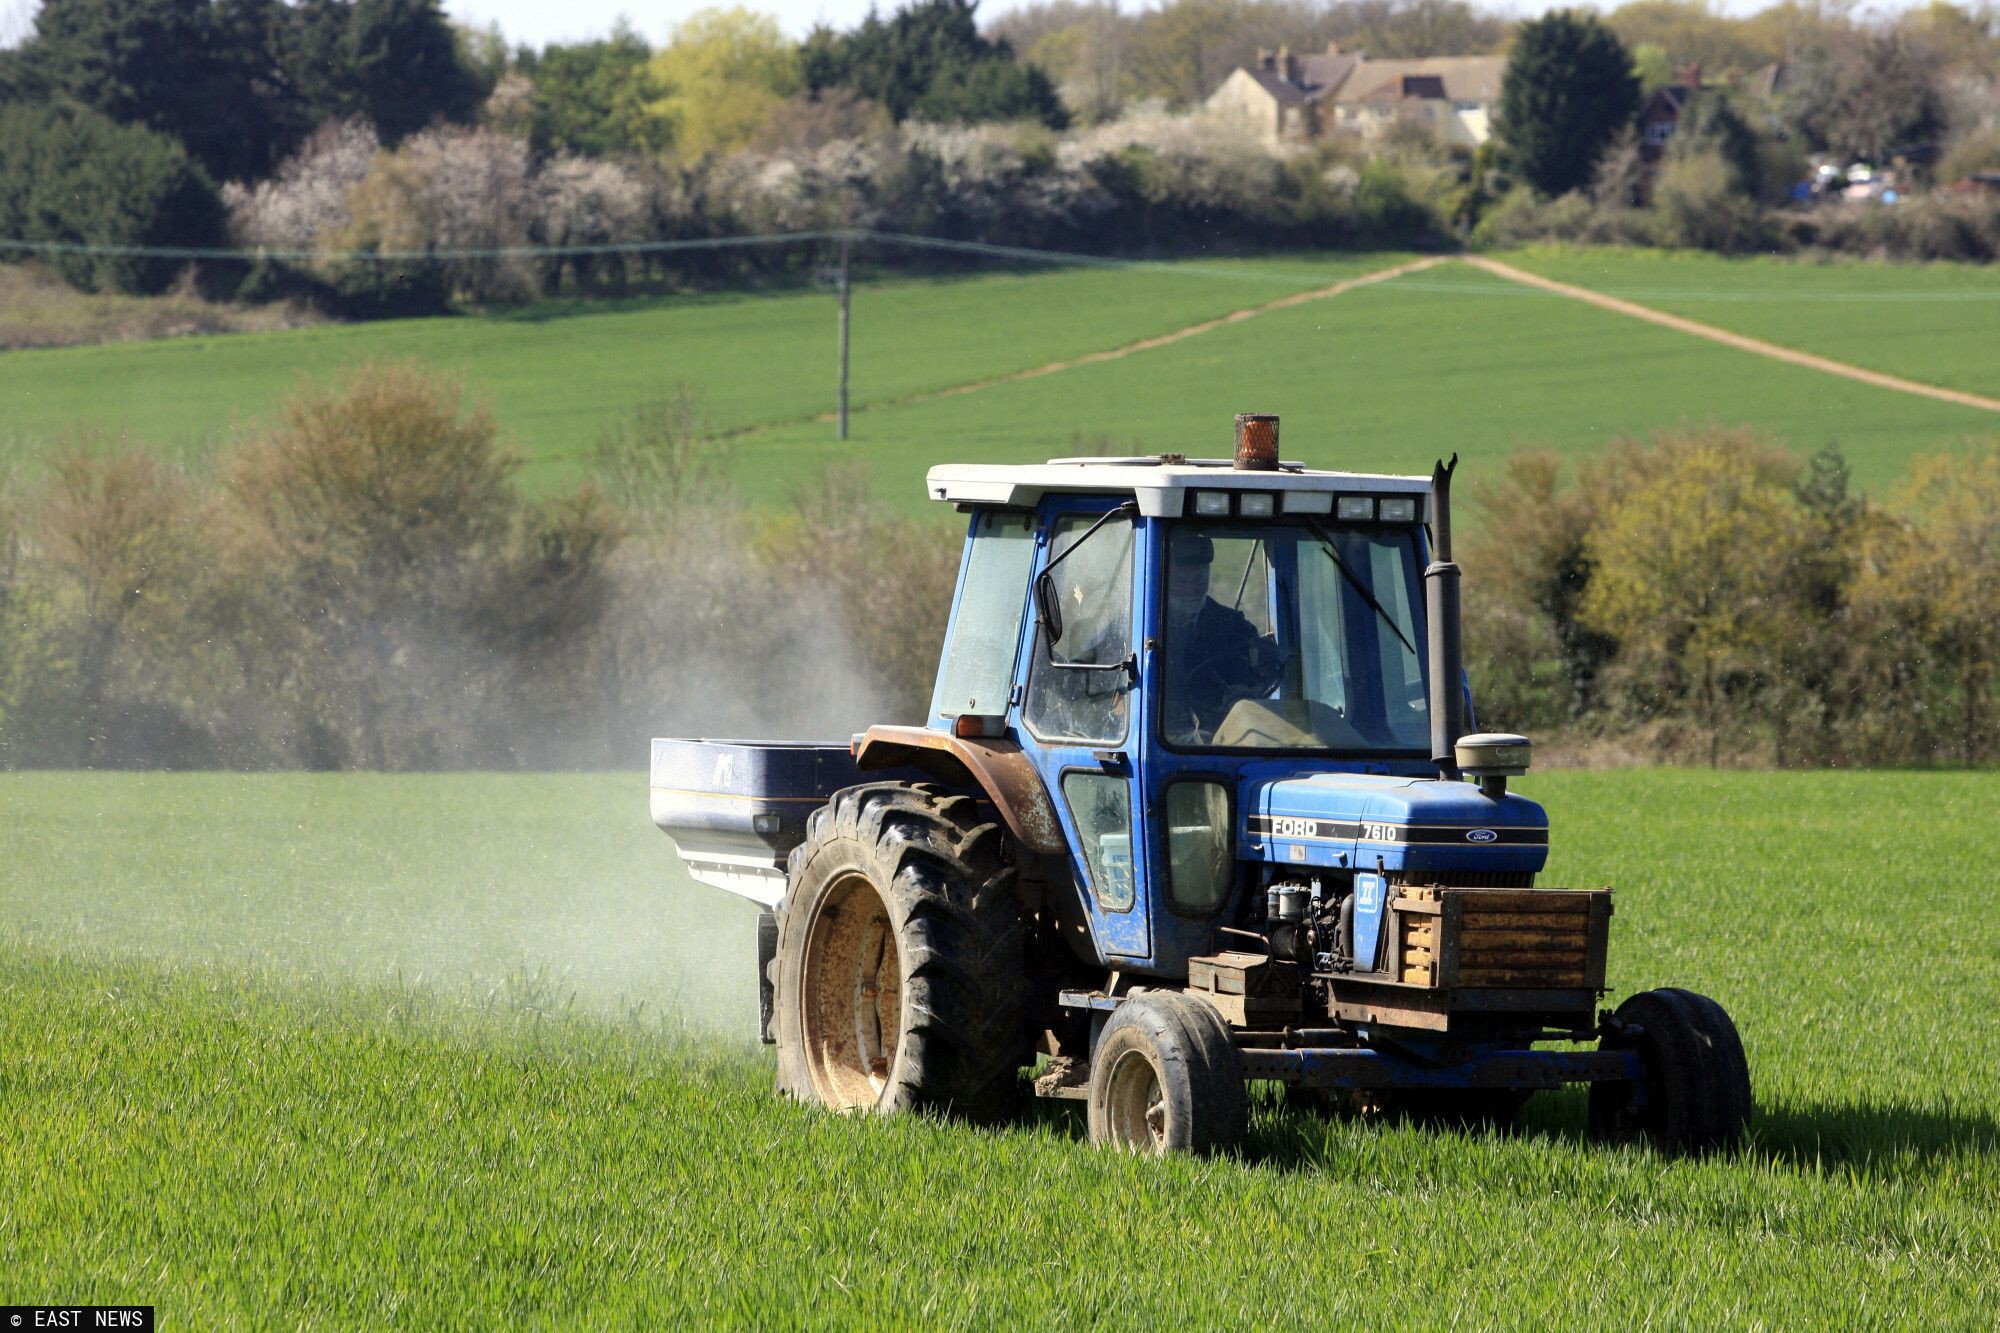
x: 1393, y: 376
x: 558, y: 373
x: 1932, y: 323
x: 225, y: 1091
x: 1384, y: 378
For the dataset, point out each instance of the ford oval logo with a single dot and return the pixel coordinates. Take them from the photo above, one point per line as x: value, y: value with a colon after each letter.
x: 1481, y: 835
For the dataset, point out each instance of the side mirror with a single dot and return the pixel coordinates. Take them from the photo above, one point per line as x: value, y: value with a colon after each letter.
x: 1048, y: 605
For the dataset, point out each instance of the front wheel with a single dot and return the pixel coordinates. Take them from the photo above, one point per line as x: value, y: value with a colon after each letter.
x: 1166, y: 1077
x: 1695, y: 1097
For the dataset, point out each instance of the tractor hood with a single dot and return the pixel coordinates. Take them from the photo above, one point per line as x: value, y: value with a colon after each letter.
x: 1397, y: 825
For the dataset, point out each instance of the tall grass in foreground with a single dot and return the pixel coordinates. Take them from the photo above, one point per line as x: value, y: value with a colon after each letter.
x: 223, y: 1090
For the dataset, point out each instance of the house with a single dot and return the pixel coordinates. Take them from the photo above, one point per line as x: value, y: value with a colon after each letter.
x: 1290, y: 99
x: 1284, y: 96
x: 1658, y: 119
x: 1456, y: 95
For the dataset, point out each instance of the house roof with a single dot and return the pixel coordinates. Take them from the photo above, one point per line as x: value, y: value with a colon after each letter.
x: 1461, y: 79
x: 1665, y: 104
x: 1322, y: 75
x: 1318, y: 77
x: 1283, y: 89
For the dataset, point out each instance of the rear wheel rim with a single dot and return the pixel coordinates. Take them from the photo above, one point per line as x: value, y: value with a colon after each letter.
x: 851, y: 996
x: 1135, y: 1106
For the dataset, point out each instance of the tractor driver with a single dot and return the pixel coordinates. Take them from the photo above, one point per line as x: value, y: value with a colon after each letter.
x: 1215, y: 657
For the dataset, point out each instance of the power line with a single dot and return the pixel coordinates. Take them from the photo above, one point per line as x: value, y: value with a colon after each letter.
x: 1015, y: 253
x: 849, y: 236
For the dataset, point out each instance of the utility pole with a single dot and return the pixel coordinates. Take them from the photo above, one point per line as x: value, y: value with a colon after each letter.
x: 841, y: 286
x: 837, y: 277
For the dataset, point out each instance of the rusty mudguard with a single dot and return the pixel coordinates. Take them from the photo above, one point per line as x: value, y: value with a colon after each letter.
x: 998, y: 767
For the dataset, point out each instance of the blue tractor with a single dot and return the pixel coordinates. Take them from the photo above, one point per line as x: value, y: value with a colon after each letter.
x: 1197, y: 805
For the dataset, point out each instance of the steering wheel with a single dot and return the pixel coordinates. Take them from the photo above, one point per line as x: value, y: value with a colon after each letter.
x: 1205, y: 684
x: 1209, y: 669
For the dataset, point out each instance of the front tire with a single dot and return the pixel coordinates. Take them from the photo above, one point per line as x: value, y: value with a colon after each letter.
x: 1696, y: 1094
x: 901, y: 973
x: 1167, y: 1078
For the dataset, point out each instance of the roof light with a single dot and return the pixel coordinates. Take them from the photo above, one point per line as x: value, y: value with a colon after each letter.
x: 1256, y: 442
x: 1308, y: 502
x: 1355, y: 508
x: 1255, y: 504
x: 1211, y: 504
x: 1399, y: 509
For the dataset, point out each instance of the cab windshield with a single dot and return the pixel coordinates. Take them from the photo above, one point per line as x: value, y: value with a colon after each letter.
x: 1293, y: 635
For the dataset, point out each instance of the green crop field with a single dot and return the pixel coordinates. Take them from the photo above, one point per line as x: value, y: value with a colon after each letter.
x: 459, y: 1050
x: 1385, y: 377
x: 1932, y: 323
x: 556, y: 374
x: 1392, y: 376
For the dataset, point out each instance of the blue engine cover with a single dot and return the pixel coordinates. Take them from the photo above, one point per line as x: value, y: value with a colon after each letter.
x: 1391, y: 825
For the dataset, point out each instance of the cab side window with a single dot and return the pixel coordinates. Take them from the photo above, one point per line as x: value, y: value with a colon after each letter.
x: 1095, y: 586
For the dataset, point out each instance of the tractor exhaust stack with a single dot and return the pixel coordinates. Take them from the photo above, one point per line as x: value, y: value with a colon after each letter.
x: 1441, y: 609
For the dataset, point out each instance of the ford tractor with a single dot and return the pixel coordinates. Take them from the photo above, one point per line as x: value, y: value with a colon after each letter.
x: 1198, y: 804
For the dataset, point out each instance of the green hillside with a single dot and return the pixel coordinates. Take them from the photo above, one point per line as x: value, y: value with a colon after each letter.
x: 1384, y: 377
x: 1392, y: 376
x: 557, y: 374
x: 1932, y: 323
x: 458, y: 1051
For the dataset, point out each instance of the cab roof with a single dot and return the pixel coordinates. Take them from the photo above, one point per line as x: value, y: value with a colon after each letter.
x: 1159, y: 482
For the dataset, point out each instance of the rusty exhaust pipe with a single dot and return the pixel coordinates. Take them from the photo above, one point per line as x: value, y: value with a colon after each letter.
x: 1447, y: 647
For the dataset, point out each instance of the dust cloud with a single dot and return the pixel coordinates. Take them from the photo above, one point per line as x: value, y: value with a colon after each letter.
x: 536, y: 892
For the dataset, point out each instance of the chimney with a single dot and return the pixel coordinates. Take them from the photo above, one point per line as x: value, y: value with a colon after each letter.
x: 1333, y: 48
x: 1264, y: 60
x: 1288, y: 66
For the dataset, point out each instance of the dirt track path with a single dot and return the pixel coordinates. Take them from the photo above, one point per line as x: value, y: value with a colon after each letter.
x: 1755, y: 346
x: 1158, y: 340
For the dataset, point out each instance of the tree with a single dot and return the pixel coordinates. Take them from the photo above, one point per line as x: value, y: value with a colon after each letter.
x: 363, y: 530
x: 404, y: 67
x: 1869, y: 96
x: 720, y: 78
x: 180, y: 67
x: 1711, y: 124
x: 76, y: 177
x: 1183, y: 50
x: 596, y: 98
x: 1533, y: 557
x: 120, y: 537
x: 1569, y: 89
x: 242, y: 82
x: 1412, y: 28
x: 928, y: 61
x: 1691, y: 32
x: 1692, y: 573
x: 1937, y: 574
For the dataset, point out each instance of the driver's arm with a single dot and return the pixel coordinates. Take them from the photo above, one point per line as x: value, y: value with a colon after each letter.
x: 1250, y: 661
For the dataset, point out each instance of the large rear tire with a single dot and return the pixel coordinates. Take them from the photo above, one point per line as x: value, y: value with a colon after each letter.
x: 1167, y: 1078
x: 901, y: 971
x: 1696, y: 1094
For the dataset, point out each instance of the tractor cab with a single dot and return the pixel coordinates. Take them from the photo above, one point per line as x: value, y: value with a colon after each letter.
x: 1217, y: 673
